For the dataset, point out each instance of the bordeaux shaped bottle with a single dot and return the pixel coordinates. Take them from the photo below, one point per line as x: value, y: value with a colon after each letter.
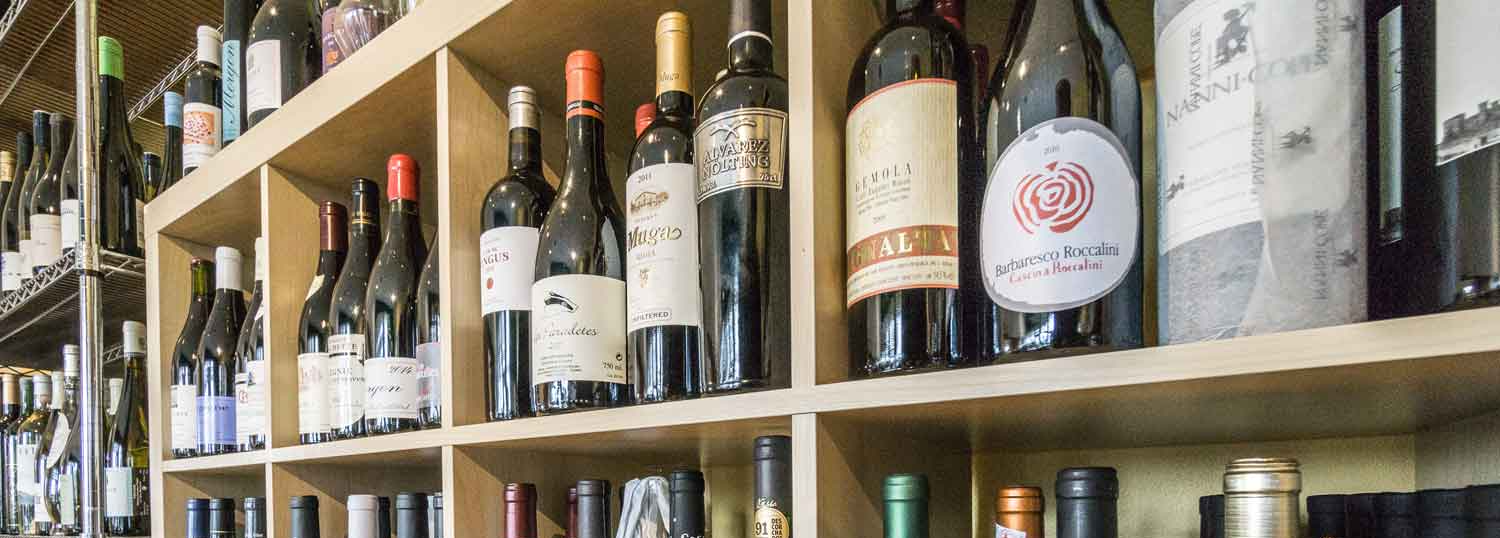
x: 686, y: 497
x: 773, y: 486
x: 313, y: 327
x: 743, y: 209
x: 203, y: 114
x: 907, y: 151
x: 578, y: 339
x: 510, y: 220
x: 429, y: 344
x: 184, y: 391
x: 391, y: 370
x: 1059, y: 220
x: 282, y: 56
x: 122, y: 213
x: 44, y: 207
x: 661, y: 245
x: 346, y: 316
x: 127, y: 458
x: 171, y: 162
x: 251, y: 371
x: 215, y: 372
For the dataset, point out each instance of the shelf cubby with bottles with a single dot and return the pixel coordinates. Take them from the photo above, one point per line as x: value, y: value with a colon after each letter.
x: 1396, y: 404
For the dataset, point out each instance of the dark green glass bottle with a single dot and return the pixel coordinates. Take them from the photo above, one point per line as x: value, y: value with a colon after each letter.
x: 905, y: 506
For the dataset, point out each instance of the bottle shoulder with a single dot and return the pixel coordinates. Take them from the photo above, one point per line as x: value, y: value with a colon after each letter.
x: 667, y: 140
x: 740, y: 90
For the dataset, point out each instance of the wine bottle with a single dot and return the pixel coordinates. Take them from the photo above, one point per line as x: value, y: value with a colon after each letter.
x: 197, y: 518
x: 383, y: 519
x: 520, y: 511
x: 281, y: 58
x: 686, y: 497
x: 238, y: 15
x: 44, y: 208
x: 644, y: 115
x: 41, y: 126
x: 184, y: 392
x: 773, y: 487
x: 1087, y: 498
x: 593, y: 509
x: 661, y: 245
x: 328, y: 21
x: 572, y: 530
x: 255, y: 517
x: 116, y: 386
x: 1019, y: 511
x: 743, y: 211
x: 63, y: 464
x: 13, y: 487
x: 127, y: 459
x: 171, y: 165
x: 362, y: 520
x: 906, y: 498
x: 429, y: 344
x: 1253, y: 236
x: 435, y: 515
x: 69, y: 208
x: 7, y: 179
x: 1326, y: 516
x: 151, y: 173
x: 313, y: 327
x: 251, y: 372
x: 31, y: 515
x: 221, y: 518
x: 411, y: 515
x: 10, y: 414
x: 909, y: 143
x: 215, y: 372
x: 1058, y: 243
x: 347, y: 315
x: 122, y: 212
x: 203, y: 115
x: 578, y: 343
x: 509, y: 221
x: 304, y: 520
x: 360, y: 21
x: 12, y: 263
x: 391, y: 307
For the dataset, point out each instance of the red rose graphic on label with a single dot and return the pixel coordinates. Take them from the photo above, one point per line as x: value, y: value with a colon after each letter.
x: 1061, y: 219
x: 1057, y: 198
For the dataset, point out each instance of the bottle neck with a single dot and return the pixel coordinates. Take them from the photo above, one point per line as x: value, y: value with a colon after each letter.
x: 1052, y: 22
x: 62, y: 132
x: 674, y: 104
x: 751, y: 54
x: 403, y: 221
x: 585, y: 156
x: 525, y: 150
x: 906, y: 518
x: 27, y: 395
x: 203, y: 281
x: 906, y: 9
x: 113, y: 91
x: 329, y: 262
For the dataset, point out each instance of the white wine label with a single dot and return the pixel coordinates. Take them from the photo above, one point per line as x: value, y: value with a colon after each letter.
x: 1003, y: 532
x: 312, y: 393
x: 184, y: 417
x: 739, y: 149
x: 1468, y: 98
x: 262, y: 76
x: 12, y: 270
x: 67, y: 499
x: 26, y: 469
x: 119, y: 492
x: 901, y: 189
x: 61, y: 429
x: 201, y: 136
x: 661, y: 245
x: 578, y: 329
x: 1390, y: 153
x: 507, y: 266
x: 1060, y: 220
x: 429, y: 381
x: 46, y: 239
x: 1205, y: 122
x: 346, y: 375
x: 70, y: 224
x: 391, y: 387
x: 250, y: 405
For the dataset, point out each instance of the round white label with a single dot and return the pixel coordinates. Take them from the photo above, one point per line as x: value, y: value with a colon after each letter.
x: 1061, y: 218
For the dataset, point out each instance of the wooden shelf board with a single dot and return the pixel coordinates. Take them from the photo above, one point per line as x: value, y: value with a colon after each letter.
x: 417, y: 448
x: 235, y: 464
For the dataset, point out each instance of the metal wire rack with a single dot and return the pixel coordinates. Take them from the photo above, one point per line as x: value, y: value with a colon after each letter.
x: 36, y: 320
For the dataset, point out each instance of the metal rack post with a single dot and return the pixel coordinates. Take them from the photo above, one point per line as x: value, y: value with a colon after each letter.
x: 89, y: 287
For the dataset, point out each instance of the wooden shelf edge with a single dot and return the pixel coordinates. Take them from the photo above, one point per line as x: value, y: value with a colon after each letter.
x: 245, y: 461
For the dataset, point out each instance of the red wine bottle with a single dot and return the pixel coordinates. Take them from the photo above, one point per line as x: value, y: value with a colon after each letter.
x: 44, y: 213
x: 391, y: 307
x: 1059, y: 217
x: 184, y: 392
x: 661, y: 245
x: 578, y: 339
x: 251, y: 372
x: 282, y: 56
x: 347, y: 317
x: 909, y: 144
x: 122, y: 188
x: 313, y: 410
x: 510, y: 220
x: 593, y: 509
x: 520, y: 510
x: 429, y: 344
x: 203, y: 115
x: 215, y: 372
x: 238, y: 15
x: 171, y: 165
x: 743, y: 211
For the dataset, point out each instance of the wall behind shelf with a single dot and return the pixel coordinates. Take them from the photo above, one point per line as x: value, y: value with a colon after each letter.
x: 1460, y: 454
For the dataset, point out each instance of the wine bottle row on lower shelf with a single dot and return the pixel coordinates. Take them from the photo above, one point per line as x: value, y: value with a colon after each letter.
x: 40, y: 435
x: 418, y: 515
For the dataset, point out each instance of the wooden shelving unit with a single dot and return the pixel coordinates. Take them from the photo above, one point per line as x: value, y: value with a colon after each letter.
x: 1396, y: 404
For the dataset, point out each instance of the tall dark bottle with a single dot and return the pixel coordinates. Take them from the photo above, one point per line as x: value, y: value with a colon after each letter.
x: 429, y: 344
x: 304, y: 520
x: 238, y: 14
x: 184, y: 392
x: 44, y: 206
x: 1059, y: 216
x: 593, y: 509
x: 347, y: 324
x: 520, y: 511
x: 203, y: 114
x: 411, y: 515
x: 251, y: 369
x: 313, y: 409
x: 661, y: 245
x: 215, y: 372
x: 743, y: 210
x: 9, y: 230
x: 255, y: 517
x: 41, y: 126
x: 392, y: 369
x: 1086, y: 502
x: 908, y: 150
x: 510, y: 220
x: 221, y: 517
x: 773, y: 487
x: 578, y: 341
x: 197, y: 518
x: 171, y: 161
x: 127, y: 458
x: 122, y: 190
x: 685, y: 489
x: 282, y: 56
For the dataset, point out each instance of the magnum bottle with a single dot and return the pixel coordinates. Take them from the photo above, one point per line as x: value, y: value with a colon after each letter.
x: 909, y: 139
x: 184, y: 391
x: 743, y: 211
x: 1086, y: 502
x: 593, y: 509
x: 1018, y: 512
x: 661, y: 244
x: 122, y: 202
x: 391, y: 371
x: 773, y: 487
x: 304, y: 517
x: 1396, y: 515
x: 1442, y: 513
x: 520, y: 511
x: 347, y: 317
x: 313, y: 410
x: 510, y: 221
x: 906, y: 498
x: 686, y: 496
x: 1261, y: 498
x: 411, y: 515
x: 1327, y: 516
